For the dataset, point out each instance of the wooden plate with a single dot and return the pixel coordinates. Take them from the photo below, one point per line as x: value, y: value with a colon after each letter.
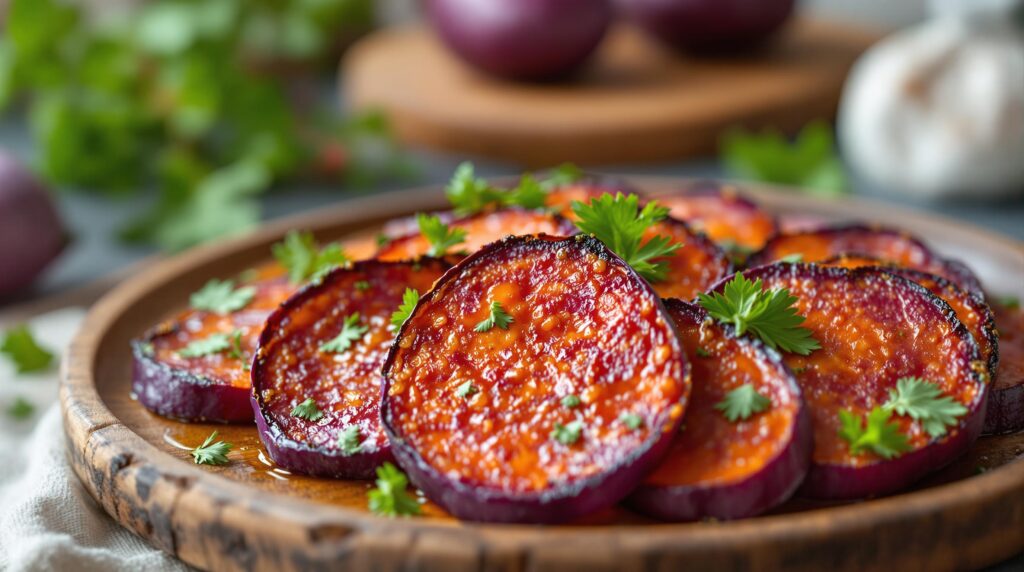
x: 667, y: 106
x: 250, y: 515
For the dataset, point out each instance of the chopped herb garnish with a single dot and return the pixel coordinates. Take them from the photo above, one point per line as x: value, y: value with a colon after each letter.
x: 569, y: 433
x: 349, y: 440
x: 571, y: 401
x: 391, y: 498
x: 793, y: 258
x: 923, y: 401
x: 307, y: 410
x: 742, y: 402
x: 303, y: 259
x: 362, y: 285
x: 770, y: 314
x: 879, y: 435
x: 469, y: 194
x: 809, y: 161
x: 620, y: 224
x: 466, y: 389
x: 409, y: 300
x: 351, y: 332
x: 703, y: 353
x: 23, y: 351
x: 632, y: 420
x: 210, y: 453
x: 383, y: 240
x: 221, y: 297
x: 562, y: 175
x: 20, y: 409
x: 440, y: 236
x: 213, y: 344
x: 1011, y: 302
x: 236, y: 346
x: 497, y: 317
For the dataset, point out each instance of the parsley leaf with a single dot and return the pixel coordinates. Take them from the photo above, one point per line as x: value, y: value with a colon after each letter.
x: 23, y: 351
x: 562, y: 175
x: 351, y: 332
x: 236, y: 346
x: 221, y: 297
x: 810, y: 162
x: 468, y: 194
x: 349, y: 440
x: 307, y: 410
x: 770, y: 314
x: 879, y: 436
x: 742, y: 402
x: 620, y: 224
x: 923, y: 401
x: 409, y: 300
x: 569, y: 433
x: 571, y: 401
x: 1009, y: 302
x: 391, y: 498
x: 362, y: 285
x: 214, y: 344
x: 466, y: 389
x: 632, y: 420
x: 210, y: 453
x: 303, y: 259
x: 20, y: 409
x: 497, y: 317
x: 438, y: 234
x: 793, y: 258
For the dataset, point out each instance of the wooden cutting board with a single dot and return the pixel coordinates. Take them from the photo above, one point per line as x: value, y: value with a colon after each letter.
x: 634, y: 103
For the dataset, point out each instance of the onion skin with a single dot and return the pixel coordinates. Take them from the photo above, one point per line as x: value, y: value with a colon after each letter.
x: 29, y: 220
x: 708, y: 26
x: 521, y: 39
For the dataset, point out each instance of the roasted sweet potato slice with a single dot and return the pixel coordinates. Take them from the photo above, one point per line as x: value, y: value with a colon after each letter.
x: 316, y: 395
x: 694, y: 267
x: 538, y: 381
x: 560, y: 198
x: 1006, y: 402
x: 886, y: 244
x: 876, y: 328
x: 215, y: 386
x: 717, y: 468
x: 480, y: 229
x: 722, y: 213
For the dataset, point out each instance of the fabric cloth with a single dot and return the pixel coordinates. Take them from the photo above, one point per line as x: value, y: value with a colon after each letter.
x: 48, y: 521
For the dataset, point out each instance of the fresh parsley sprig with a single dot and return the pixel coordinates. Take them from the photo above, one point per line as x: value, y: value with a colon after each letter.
x: 620, y: 223
x: 390, y: 497
x: 440, y: 236
x: 351, y: 331
x: 210, y: 345
x: 807, y: 162
x: 769, y: 314
x: 304, y: 259
x: 924, y: 401
x: 560, y: 176
x: 409, y: 300
x: 307, y: 410
x: 469, y: 194
x: 221, y: 297
x: 350, y: 440
x: 22, y: 349
x: 210, y: 453
x: 497, y: 316
x: 876, y: 434
x: 742, y: 402
x: 568, y: 433
x: 466, y: 389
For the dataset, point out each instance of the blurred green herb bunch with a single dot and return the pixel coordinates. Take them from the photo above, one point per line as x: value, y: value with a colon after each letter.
x: 195, y: 98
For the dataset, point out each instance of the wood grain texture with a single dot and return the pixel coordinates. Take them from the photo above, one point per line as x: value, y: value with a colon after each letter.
x: 248, y: 515
x: 634, y: 102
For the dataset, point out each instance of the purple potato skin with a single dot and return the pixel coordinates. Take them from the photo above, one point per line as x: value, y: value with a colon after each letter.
x: 772, y: 485
x: 555, y: 505
x: 708, y: 26
x: 1005, y: 411
x: 29, y: 220
x: 532, y: 40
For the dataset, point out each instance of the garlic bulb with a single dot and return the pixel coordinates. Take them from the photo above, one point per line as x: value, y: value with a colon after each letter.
x: 937, y: 110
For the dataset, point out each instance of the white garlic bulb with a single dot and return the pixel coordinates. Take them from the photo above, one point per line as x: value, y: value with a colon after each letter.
x: 937, y: 110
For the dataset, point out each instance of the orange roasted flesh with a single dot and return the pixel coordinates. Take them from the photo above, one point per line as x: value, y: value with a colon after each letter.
x: 890, y: 245
x: 292, y: 365
x: 722, y: 213
x: 481, y: 229
x: 483, y: 408
x: 693, y: 268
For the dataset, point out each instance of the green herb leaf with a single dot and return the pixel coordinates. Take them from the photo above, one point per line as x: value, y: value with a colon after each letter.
x: 497, y: 317
x: 810, y: 162
x: 620, y: 224
x: 221, y: 297
x: 560, y: 176
x: 742, y: 403
x: 702, y: 353
x: 438, y: 234
x: 1010, y: 302
x: 210, y: 453
x: 303, y: 259
x: 879, y: 435
x: 391, y: 498
x: 307, y: 410
x: 409, y: 300
x: 20, y: 409
x: 362, y: 285
x: 569, y: 433
x: 769, y: 314
x: 351, y: 332
x: 236, y: 346
x: 792, y: 258
x: 23, y: 351
x: 632, y: 420
x: 469, y: 194
x: 213, y: 344
x: 349, y: 440
x: 923, y: 401
x: 466, y: 389
x: 571, y: 401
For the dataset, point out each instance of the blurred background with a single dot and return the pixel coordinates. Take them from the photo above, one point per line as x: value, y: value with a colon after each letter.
x: 135, y: 127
